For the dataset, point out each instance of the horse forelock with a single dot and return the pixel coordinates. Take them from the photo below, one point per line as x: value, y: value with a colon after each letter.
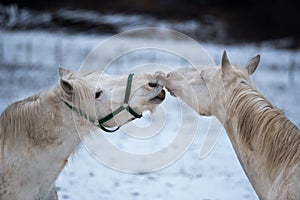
x: 261, y: 125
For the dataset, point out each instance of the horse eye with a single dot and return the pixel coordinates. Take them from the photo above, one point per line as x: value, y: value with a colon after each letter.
x: 151, y: 84
x: 97, y: 94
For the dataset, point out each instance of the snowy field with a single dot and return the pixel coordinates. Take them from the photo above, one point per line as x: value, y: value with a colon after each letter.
x: 28, y: 64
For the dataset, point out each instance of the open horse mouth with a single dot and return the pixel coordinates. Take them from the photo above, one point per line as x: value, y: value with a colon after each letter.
x: 159, y: 98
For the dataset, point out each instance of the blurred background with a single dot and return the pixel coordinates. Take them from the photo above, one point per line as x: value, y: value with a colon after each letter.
x: 207, y: 20
x: 38, y: 36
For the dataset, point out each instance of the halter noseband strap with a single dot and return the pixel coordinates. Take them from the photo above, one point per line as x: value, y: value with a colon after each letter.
x: 125, y: 106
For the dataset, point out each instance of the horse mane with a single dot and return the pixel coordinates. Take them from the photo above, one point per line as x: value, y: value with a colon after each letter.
x: 37, y: 118
x: 17, y: 119
x: 262, y: 125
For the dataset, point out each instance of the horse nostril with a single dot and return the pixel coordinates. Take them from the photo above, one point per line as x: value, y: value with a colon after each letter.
x: 97, y: 94
x: 153, y: 84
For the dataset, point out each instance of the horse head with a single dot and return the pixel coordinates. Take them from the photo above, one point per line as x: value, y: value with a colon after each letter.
x: 109, y: 101
x: 206, y: 89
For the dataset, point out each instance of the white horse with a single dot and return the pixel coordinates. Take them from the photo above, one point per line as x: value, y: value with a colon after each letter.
x: 265, y: 141
x: 38, y: 134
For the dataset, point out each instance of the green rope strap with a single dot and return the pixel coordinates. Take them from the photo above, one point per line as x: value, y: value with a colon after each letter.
x: 125, y: 106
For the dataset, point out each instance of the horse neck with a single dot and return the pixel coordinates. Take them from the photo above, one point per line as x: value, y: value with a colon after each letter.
x: 252, y: 125
x: 48, y: 138
x: 60, y: 123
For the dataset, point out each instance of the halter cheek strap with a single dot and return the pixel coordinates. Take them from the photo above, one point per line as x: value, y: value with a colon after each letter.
x: 125, y: 106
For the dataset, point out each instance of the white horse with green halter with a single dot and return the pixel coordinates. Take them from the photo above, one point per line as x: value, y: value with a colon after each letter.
x: 265, y: 141
x: 39, y: 133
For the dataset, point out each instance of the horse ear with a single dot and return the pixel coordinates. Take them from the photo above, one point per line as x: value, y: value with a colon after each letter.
x: 226, y: 66
x: 252, y: 64
x: 66, y: 86
x: 63, y: 72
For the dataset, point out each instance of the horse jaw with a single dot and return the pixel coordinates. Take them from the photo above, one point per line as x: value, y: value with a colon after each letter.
x: 143, y: 96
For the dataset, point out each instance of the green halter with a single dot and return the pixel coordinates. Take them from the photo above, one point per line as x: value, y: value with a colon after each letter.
x: 125, y: 106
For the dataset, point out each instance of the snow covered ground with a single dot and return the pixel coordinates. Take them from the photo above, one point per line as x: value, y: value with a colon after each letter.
x: 29, y: 63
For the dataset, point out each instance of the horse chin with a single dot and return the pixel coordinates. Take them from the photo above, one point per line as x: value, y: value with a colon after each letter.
x: 159, y: 97
x: 171, y: 92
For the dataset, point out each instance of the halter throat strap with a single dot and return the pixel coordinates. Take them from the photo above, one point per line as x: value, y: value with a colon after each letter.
x: 125, y: 106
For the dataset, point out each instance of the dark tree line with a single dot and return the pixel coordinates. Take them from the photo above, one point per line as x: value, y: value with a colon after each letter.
x: 251, y: 20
